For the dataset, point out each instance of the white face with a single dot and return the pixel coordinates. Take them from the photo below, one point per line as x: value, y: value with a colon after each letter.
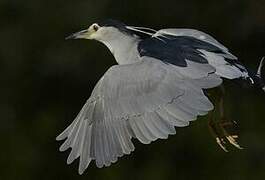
x: 97, y: 32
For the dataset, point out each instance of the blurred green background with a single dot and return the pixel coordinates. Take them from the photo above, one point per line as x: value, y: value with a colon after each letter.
x: 45, y: 80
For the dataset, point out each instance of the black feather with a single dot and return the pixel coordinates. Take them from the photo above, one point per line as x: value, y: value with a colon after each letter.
x: 117, y: 24
x: 122, y: 28
x: 176, y: 49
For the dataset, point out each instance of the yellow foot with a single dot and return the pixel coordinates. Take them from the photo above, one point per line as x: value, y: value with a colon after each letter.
x: 221, y: 142
x: 228, y: 129
x: 224, y: 133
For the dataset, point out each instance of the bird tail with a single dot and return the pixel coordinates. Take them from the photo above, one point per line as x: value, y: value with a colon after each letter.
x: 256, y: 78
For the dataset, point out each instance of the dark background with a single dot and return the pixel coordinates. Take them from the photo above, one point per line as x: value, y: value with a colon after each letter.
x: 45, y: 80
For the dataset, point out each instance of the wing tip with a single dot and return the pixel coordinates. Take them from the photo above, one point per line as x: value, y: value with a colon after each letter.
x: 60, y: 137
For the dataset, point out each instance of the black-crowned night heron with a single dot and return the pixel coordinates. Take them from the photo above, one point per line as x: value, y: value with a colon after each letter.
x: 159, y: 84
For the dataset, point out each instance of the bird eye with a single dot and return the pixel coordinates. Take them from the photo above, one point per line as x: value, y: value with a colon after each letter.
x: 95, y: 27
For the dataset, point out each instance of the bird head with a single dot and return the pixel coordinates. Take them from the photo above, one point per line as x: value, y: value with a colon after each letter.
x: 103, y: 31
x: 88, y: 33
x: 118, y: 37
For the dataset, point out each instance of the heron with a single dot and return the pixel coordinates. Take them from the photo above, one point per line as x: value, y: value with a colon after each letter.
x: 160, y: 83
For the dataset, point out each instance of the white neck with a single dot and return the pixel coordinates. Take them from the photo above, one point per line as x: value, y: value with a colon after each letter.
x: 124, y: 48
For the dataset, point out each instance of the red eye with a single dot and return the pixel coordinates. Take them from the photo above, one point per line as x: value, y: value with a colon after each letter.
x: 95, y: 27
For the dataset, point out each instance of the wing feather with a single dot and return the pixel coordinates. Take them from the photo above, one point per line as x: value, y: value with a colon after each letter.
x: 181, y: 47
x: 192, y: 33
x: 145, y: 100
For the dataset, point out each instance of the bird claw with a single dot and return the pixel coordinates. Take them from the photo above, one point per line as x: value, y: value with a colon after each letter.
x: 233, y: 141
x: 221, y: 142
x: 222, y: 135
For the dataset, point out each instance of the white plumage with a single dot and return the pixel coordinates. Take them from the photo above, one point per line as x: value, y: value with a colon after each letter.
x: 144, y: 97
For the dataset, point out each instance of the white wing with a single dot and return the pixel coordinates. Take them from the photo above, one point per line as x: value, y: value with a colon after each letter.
x: 143, y: 100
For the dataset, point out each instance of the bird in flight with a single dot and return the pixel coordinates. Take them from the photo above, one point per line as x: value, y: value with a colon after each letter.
x: 160, y: 83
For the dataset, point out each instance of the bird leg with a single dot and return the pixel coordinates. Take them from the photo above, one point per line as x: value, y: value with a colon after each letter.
x: 223, y: 129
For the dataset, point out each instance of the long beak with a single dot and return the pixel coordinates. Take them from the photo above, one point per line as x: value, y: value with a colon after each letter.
x: 84, y: 34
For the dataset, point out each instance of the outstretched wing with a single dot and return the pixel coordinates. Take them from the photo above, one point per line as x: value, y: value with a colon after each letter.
x: 179, y: 46
x: 143, y: 100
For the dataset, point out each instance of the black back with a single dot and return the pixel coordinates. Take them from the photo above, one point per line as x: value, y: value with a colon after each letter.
x: 176, y: 49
